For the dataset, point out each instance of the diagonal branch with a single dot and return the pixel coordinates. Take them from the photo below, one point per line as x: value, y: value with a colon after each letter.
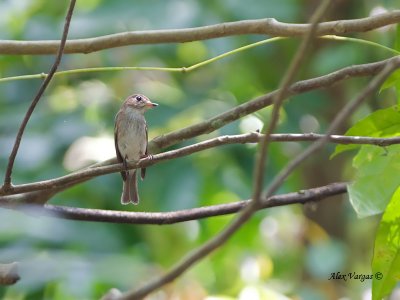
x: 217, y: 241
x: 60, y: 45
x: 347, y: 110
x: 262, y: 154
x: 267, y: 26
x: 261, y: 102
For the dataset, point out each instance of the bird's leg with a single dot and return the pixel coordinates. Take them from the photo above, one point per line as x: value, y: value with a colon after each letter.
x: 148, y: 156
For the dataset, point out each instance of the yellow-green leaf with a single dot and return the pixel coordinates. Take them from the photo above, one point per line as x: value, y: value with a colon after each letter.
x: 381, y: 123
x: 386, y: 260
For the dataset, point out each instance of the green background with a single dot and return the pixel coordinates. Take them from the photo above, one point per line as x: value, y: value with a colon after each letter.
x: 288, y: 251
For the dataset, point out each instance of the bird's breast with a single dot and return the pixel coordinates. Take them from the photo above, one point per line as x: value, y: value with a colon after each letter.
x: 132, y: 137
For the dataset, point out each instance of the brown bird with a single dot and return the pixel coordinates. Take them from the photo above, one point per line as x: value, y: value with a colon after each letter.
x: 130, y: 136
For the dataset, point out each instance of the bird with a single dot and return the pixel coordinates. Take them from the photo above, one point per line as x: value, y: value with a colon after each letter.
x: 130, y: 137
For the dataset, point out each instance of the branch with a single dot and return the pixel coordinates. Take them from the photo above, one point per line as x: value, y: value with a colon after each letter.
x: 40, y: 192
x: 163, y: 218
x: 347, y: 110
x: 304, y: 137
x: 194, y: 66
x: 267, y: 26
x: 261, y: 102
x: 60, y: 46
x: 262, y: 154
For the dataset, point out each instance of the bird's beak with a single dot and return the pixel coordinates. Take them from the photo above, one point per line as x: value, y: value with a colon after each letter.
x: 151, y: 104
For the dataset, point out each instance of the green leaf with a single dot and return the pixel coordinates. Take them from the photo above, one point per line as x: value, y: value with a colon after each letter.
x: 381, y: 123
x: 386, y: 260
x: 375, y: 180
x: 393, y: 81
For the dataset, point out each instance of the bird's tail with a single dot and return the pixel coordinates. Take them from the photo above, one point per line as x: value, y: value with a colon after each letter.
x: 130, y: 190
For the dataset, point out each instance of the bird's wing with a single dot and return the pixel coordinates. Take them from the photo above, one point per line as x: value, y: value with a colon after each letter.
x: 143, y: 170
x: 120, y: 159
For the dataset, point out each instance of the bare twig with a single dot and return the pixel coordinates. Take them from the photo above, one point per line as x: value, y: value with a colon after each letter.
x: 278, y: 99
x: 60, y: 46
x: 28, y: 193
x: 218, y: 240
x: 268, y: 26
x: 303, y: 137
x: 163, y: 218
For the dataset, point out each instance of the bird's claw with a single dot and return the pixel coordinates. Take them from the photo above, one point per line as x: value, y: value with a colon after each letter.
x: 148, y: 156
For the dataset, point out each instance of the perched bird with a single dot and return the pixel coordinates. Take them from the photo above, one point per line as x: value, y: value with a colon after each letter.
x: 130, y: 136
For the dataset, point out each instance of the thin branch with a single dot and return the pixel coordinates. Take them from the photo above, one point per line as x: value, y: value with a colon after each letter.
x: 60, y: 46
x: 337, y: 139
x: 262, y: 154
x: 217, y: 241
x: 347, y: 110
x: 267, y: 26
x: 27, y: 192
x: 166, y: 69
x: 163, y: 218
x: 88, y: 173
x: 194, y: 66
x: 261, y: 102
x: 360, y: 41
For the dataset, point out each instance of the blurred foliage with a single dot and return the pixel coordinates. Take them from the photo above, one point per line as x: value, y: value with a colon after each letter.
x: 279, y: 252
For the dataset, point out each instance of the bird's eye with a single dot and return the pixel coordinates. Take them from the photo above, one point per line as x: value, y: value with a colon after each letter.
x: 139, y: 98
